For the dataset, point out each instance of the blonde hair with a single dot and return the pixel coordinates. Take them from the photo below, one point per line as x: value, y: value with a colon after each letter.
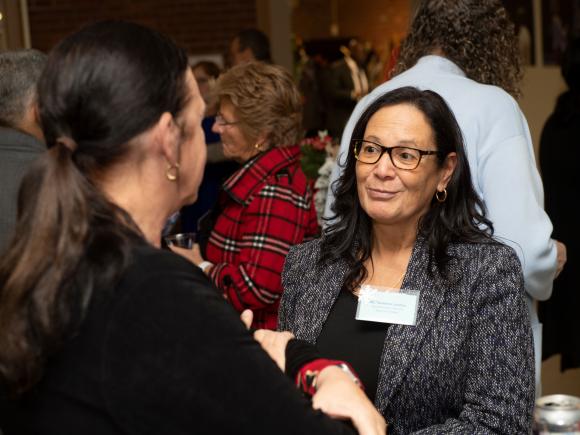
x: 266, y: 101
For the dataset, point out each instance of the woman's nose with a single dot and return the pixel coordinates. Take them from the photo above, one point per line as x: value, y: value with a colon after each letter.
x: 384, y: 167
x: 216, y: 128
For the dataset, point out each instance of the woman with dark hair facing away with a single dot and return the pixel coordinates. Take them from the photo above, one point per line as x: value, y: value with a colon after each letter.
x: 101, y: 332
x: 409, y: 285
x: 267, y: 205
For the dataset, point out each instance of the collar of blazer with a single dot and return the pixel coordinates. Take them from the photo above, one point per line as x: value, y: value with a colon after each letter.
x: 404, y: 342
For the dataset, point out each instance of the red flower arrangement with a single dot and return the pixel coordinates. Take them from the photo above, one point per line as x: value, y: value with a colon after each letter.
x: 314, y: 153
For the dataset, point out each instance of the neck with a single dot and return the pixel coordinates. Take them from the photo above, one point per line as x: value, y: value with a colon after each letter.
x: 389, y: 240
x: 133, y: 193
x: 30, y: 124
x: 390, y: 254
x: 437, y: 51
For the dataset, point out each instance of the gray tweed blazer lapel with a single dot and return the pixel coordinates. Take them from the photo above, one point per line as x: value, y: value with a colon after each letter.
x: 403, y: 343
x: 317, y: 303
x: 320, y: 289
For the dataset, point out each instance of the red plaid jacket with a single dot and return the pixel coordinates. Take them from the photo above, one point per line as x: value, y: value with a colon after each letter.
x: 266, y: 207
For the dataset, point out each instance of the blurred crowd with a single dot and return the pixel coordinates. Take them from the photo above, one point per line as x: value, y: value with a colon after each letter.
x: 368, y: 243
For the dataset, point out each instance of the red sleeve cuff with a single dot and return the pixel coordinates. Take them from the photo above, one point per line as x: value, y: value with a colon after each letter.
x: 308, y: 374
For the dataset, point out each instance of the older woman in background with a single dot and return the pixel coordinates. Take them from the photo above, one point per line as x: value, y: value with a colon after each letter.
x: 266, y: 206
x: 447, y: 348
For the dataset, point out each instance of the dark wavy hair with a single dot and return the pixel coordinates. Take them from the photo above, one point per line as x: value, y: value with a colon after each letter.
x: 477, y: 35
x: 460, y: 218
x: 101, y: 87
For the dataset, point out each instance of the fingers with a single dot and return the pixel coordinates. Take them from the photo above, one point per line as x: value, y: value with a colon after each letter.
x: 561, y: 257
x: 247, y: 317
x: 272, y: 338
x: 339, y: 397
x: 274, y: 343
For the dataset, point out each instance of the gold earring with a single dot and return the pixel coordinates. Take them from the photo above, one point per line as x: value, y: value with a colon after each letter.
x: 257, y: 146
x: 172, y: 172
x: 443, y: 196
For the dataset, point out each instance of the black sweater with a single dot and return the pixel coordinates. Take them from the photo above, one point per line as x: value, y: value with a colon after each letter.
x: 163, y: 353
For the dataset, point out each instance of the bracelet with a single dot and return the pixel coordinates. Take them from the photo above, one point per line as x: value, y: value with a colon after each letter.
x: 307, y: 376
x: 204, y: 265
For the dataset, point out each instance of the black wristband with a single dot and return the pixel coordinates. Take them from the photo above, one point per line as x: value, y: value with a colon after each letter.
x: 298, y: 353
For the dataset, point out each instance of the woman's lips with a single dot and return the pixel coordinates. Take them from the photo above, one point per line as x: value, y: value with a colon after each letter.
x: 380, y: 194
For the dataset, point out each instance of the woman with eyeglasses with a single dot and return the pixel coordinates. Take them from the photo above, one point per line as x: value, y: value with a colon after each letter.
x: 408, y: 284
x: 267, y: 205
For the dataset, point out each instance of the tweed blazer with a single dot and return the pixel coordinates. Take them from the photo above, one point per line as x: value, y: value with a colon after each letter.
x: 467, y: 367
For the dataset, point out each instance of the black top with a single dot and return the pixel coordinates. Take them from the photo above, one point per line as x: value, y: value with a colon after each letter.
x: 357, y: 341
x: 559, y: 155
x: 163, y: 353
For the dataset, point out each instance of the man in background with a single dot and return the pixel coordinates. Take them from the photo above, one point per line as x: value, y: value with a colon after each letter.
x: 346, y: 84
x: 21, y: 137
x: 250, y: 45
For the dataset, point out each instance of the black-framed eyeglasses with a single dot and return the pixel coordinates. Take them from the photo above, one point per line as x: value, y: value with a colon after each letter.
x: 366, y: 151
x: 219, y: 120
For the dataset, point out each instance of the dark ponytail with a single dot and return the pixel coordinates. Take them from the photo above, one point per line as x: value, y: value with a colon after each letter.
x: 102, y: 87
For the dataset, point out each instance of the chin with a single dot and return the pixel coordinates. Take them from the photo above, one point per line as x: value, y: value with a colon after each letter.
x: 188, y: 200
x: 380, y: 217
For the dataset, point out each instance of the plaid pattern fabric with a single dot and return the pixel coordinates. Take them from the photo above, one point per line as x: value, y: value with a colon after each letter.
x: 266, y: 208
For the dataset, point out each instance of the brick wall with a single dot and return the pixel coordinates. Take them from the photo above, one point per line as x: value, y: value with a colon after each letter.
x: 200, y: 26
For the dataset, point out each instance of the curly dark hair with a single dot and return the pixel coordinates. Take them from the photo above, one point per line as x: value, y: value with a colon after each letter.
x: 460, y: 218
x: 477, y: 35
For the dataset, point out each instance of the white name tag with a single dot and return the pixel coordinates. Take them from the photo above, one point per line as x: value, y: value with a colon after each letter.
x: 378, y: 305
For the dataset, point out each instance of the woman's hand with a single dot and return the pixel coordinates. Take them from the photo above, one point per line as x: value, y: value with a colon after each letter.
x: 561, y: 257
x: 339, y: 397
x: 247, y: 317
x: 274, y: 343
x: 193, y: 254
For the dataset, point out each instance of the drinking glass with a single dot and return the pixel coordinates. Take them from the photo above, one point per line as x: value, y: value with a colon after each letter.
x: 181, y: 240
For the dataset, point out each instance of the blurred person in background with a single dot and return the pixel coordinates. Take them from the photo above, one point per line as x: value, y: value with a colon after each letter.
x: 267, y: 205
x: 249, y: 45
x: 101, y: 332
x: 475, y: 67
x: 346, y: 84
x: 559, y: 156
x: 21, y: 137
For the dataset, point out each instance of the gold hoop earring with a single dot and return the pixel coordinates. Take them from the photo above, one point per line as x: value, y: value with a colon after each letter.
x: 172, y: 172
x: 441, y: 196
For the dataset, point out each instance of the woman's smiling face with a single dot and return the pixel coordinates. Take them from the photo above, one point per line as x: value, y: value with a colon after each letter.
x: 393, y: 196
